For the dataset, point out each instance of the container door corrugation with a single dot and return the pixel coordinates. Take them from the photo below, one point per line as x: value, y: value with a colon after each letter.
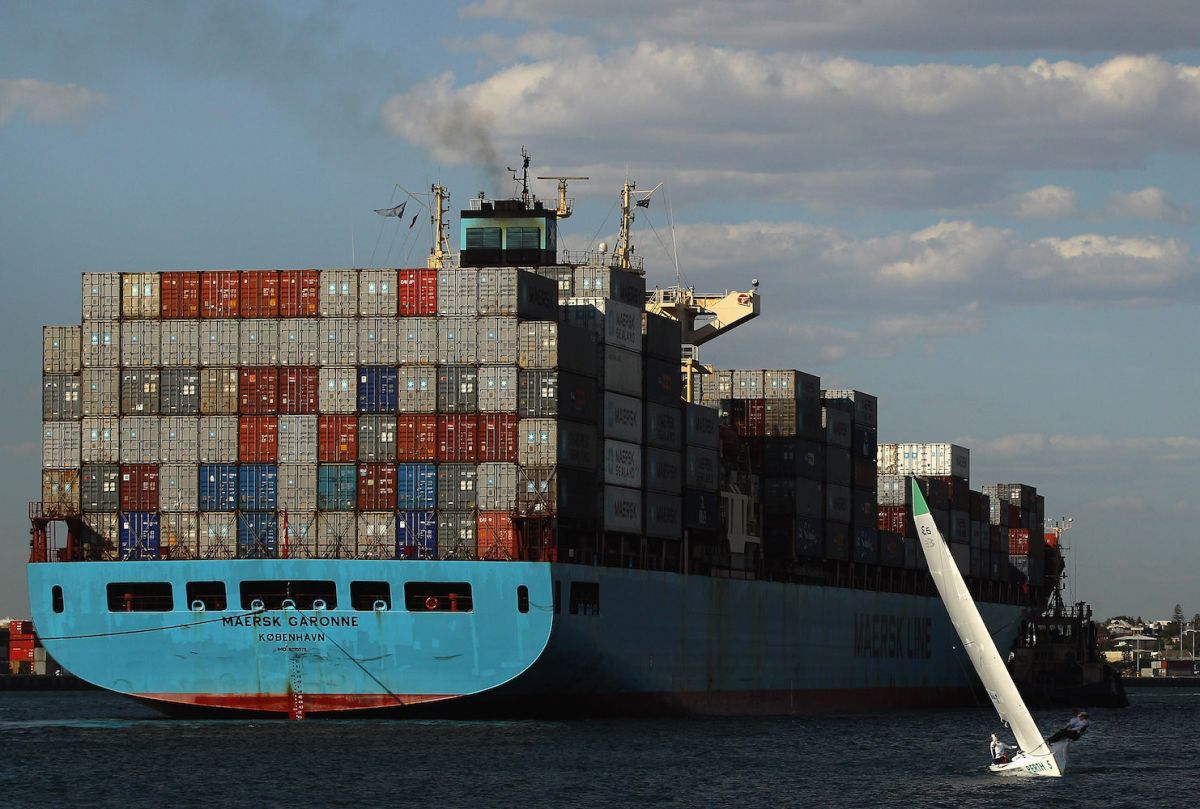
x: 259, y: 294
x: 139, y: 392
x: 140, y: 295
x: 299, y: 293
x: 339, y: 341
x: 297, y: 439
x: 457, y: 340
x: 456, y: 534
x: 377, y: 293
x: 219, y: 294
x: 179, y: 438
x: 298, y: 533
x: 100, y: 440
x: 178, y: 534
x: 218, y: 439
x: 258, y: 487
x: 416, y: 437
x: 258, y: 535
x: 180, y: 293
x: 139, y: 439
x: 336, y: 487
x: 61, y: 400
x: 497, y: 437
x: 218, y: 391
x: 179, y: 342
x: 217, y: 487
x: 417, y: 340
x: 456, y: 485
x: 102, y: 296
x: 100, y: 347
x: 339, y: 293
x: 299, y: 341
x: 376, y: 487
x: 377, y: 388
x: 298, y: 390
x: 297, y: 487
x: 537, y: 442
x: 337, y: 535
x: 338, y: 390
x: 458, y: 292
x: 258, y: 439
x: 416, y: 486
x: 100, y: 392
x: 61, y: 490
x: 497, y: 486
x: 337, y: 439
x: 377, y: 438
x: 219, y: 342
x: 139, y: 537
x: 417, y: 292
x: 416, y: 535
x: 497, y: 341
x: 99, y: 489
x: 457, y: 389
x: 259, y: 342
x: 61, y: 346
x: 258, y: 391
x: 417, y: 389
x: 177, y: 487
x: 377, y: 341
x: 458, y: 437
x: 498, y: 389
x: 141, y: 343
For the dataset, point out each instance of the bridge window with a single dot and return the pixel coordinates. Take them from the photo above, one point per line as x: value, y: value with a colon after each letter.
x: 522, y: 599
x: 483, y: 238
x: 209, y: 593
x: 304, y: 594
x: 437, y: 596
x: 585, y: 598
x: 56, y: 598
x: 523, y: 239
x: 364, y: 594
x: 140, y: 596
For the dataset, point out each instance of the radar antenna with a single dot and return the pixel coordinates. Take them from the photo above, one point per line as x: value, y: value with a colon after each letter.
x: 565, y: 205
x: 521, y: 176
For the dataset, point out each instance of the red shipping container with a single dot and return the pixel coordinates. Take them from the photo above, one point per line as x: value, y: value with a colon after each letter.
x: 337, y: 439
x: 457, y: 437
x: 138, y: 488
x: 417, y: 292
x: 298, y: 389
x: 20, y: 653
x: 377, y: 487
x: 497, y: 437
x: 258, y: 390
x: 219, y: 293
x: 299, y: 293
x: 1018, y: 541
x: 20, y: 627
x: 259, y: 295
x: 258, y: 439
x: 895, y: 519
x: 749, y: 417
x: 20, y: 646
x: 494, y: 535
x: 180, y: 294
x: 416, y: 437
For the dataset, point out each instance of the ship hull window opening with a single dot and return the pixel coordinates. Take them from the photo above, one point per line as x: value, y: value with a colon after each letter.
x: 140, y: 596
x: 211, y: 594
x: 365, y: 595
x: 437, y: 596
x: 303, y: 594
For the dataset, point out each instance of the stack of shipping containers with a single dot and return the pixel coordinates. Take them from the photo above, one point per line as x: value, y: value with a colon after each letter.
x: 26, y: 655
x: 851, y: 419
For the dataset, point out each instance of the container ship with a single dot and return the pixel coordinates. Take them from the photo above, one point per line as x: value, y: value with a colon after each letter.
x: 503, y: 483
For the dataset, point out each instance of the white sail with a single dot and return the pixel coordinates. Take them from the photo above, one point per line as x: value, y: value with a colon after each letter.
x: 977, y: 641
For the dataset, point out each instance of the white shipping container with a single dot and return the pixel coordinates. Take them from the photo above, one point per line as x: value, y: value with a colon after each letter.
x: 416, y: 389
x: 376, y: 534
x: 141, y: 344
x: 258, y: 342
x: 61, y: 350
x: 457, y: 341
x: 299, y: 340
x: 622, y: 463
x: 622, y: 510
x: 622, y: 418
x: 140, y: 294
x: 577, y: 446
x: 218, y: 535
x: 496, y: 487
x: 298, y: 531
x: 101, y: 440
x: 297, y: 487
x: 748, y: 384
x: 497, y: 389
x: 458, y: 292
x: 218, y: 439
x: 297, y: 439
x: 377, y: 293
x: 537, y: 442
x: 339, y: 293
x: 664, y: 515
x: 377, y: 341
x: 100, y: 392
x: 179, y: 438
x: 177, y: 487
x: 664, y: 426
x: 338, y: 390
x: 100, y: 345
x: 497, y: 340
x: 219, y: 342
x: 339, y: 341
x: 179, y: 342
x: 101, y: 295
x: 929, y: 460
x: 140, y: 439
x: 622, y: 371
x: 336, y: 534
x: 417, y: 340
x: 610, y: 322
x: 537, y: 344
x: 702, y: 468
x: 61, y: 445
x: 663, y: 471
x: 179, y: 535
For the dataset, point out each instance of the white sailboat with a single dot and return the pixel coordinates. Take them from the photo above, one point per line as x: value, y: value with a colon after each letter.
x: 1037, y: 757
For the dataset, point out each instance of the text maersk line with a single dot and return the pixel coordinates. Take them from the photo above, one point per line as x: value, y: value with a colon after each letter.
x: 292, y: 621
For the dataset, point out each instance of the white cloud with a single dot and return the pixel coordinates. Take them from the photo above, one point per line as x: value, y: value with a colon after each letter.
x: 1047, y: 202
x: 1149, y: 203
x: 49, y: 103
x: 1148, y: 448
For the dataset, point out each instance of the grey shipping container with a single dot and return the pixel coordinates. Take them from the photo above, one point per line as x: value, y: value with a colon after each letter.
x: 458, y: 389
x: 622, y: 418
x: 218, y: 439
x: 140, y: 436
x: 836, y: 424
x: 417, y: 340
x: 100, y: 347
x: 376, y: 534
x: 179, y: 391
x: 338, y: 337
x: 457, y: 485
x: 790, y: 384
x: 837, y: 466
x: 569, y: 493
x: 748, y: 384
x: 337, y: 390
x: 258, y: 342
x: 563, y: 277
x: 377, y: 342
x: 337, y: 534
x: 140, y: 294
x: 98, y: 486
x: 100, y: 440
x: 179, y: 342
x: 141, y: 343
x: 339, y: 293
x: 219, y: 342
x: 101, y: 295
x: 664, y: 426
x: 610, y: 282
x: 623, y: 371
x: 377, y: 437
x: 179, y: 535
x: 663, y: 471
x: 61, y: 350
x: 545, y: 344
x: 622, y: 510
x: 456, y: 534
x: 610, y: 322
x: 517, y: 292
x: 537, y: 442
x: 218, y: 535
x: 702, y: 426
x: 497, y: 389
x: 457, y: 341
x: 296, y: 440
x: 662, y: 337
x: 622, y: 463
x: 862, y: 407
x: 496, y: 341
x: 178, y: 438
x: 556, y: 394
x: 100, y: 392
x: 218, y: 391
x: 61, y: 399
x: 299, y: 341
x: 178, y: 487
x: 139, y: 392
x: 458, y: 292
x: 377, y: 293
x: 663, y: 383
x: 496, y: 487
x: 664, y: 515
x: 417, y: 389
x: 297, y: 487
x: 702, y: 468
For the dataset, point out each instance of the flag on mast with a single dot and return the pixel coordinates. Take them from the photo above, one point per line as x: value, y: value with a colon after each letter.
x: 397, y: 212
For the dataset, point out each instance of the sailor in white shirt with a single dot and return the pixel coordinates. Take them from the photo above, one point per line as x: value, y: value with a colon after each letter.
x: 999, y: 750
x: 1074, y: 729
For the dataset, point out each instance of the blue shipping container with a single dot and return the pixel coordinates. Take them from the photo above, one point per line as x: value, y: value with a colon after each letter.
x: 416, y: 535
x: 416, y: 486
x: 866, y: 546
x: 810, y: 537
x: 258, y: 535
x: 701, y: 510
x: 139, y: 535
x: 377, y: 385
x: 258, y: 487
x: 218, y: 487
x: 336, y: 486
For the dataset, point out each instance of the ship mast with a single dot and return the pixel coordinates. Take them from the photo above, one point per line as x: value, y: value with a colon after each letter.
x: 624, y: 248
x: 440, y: 252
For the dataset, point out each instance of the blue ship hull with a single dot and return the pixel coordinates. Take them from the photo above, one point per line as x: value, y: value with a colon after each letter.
x: 582, y: 639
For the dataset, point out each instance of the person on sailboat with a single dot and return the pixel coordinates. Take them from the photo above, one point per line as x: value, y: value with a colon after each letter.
x: 1000, y: 750
x: 1074, y: 729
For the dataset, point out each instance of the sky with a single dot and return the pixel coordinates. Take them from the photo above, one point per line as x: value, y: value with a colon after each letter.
x: 981, y: 212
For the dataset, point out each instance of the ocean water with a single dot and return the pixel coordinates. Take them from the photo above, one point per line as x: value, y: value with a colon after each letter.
x: 95, y: 749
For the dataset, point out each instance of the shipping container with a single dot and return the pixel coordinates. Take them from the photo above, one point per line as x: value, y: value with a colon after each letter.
x: 338, y: 390
x: 622, y: 510
x: 259, y: 294
x: 782, y: 418
x: 99, y: 347
x: 218, y: 391
x: 556, y: 394
x: 517, y: 293
x: 101, y: 535
x: 258, y: 487
x: 258, y: 342
x: 416, y: 437
x: 179, y: 391
x: 98, y: 487
x: 218, y: 438
x: 663, y: 515
x: 701, y: 426
x: 662, y: 337
x: 336, y: 487
x: 258, y: 439
x: 417, y: 340
x: 140, y: 296
x: 298, y: 390
x: 297, y: 439
x: 701, y: 510
x: 100, y: 440
x: 416, y: 534
x: 218, y: 535
x: 496, y: 437
x: 496, y: 340
x: 863, y: 408
x: 537, y: 442
x: 550, y: 345
x: 179, y: 439
x: 219, y: 294
x: 866, y: 546
x: 376, y: 534
x: 102, y: 295
x: 61, y: 491
x: 748, y: 417
x: 702, y: 468
x: 456, y: 485
x: 837, y: 426
x: 497, y: 389
x: 496, y: 487
x: 61, y: 400
x: 623, y: 372
x: 610, y: 282
x: 837, y: 540
x: 139, y: 536
x: 258, y: 535
x: 299, y: 341
x: 664, y: 425
x: 138, y: 487
x: 417, y: 292
x: 139, y: 392
x: 610, y: 322
x: 100, y: 392
x: 939, y: 460
x: 839, y: 503
x: 141, y: 345
x: 664, y: 474
x: 377, y: 387
x: 837, y: 465
x: 298, y: 533
x: 258, y: 391
x: 297, y: 487
x: 578, y: 446
x: 338, y: 337
x: 457, y: 340
x: 458, y: 292
x: 456, y: 534
x: 662, y: 381
x: 549, y: 490
x: 622, y: 418
x: 178, y: 487
x: 178, y: 535
x: 622, y: 464
x: 219, y: 342
x: 564, y: 277
x: 457, y: 389
x: 217, y: 487
x: 377, y: 489
x: 337, y: 439
x: 416, y: 486
x: 417, y: 389
x: 458, y: 437
x: 377, y: 341
x: 337, y: 535
x: 495, y: 537
x: 179, y: 342
x: 377, y: 438
x: 749, y: 384
x: 180, y: 294
x: 339, y: 293
x: 299, y: 293
x: 139, y: 440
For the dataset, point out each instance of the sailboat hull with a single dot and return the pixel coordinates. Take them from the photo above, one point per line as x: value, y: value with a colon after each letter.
x: 1051, y: 766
